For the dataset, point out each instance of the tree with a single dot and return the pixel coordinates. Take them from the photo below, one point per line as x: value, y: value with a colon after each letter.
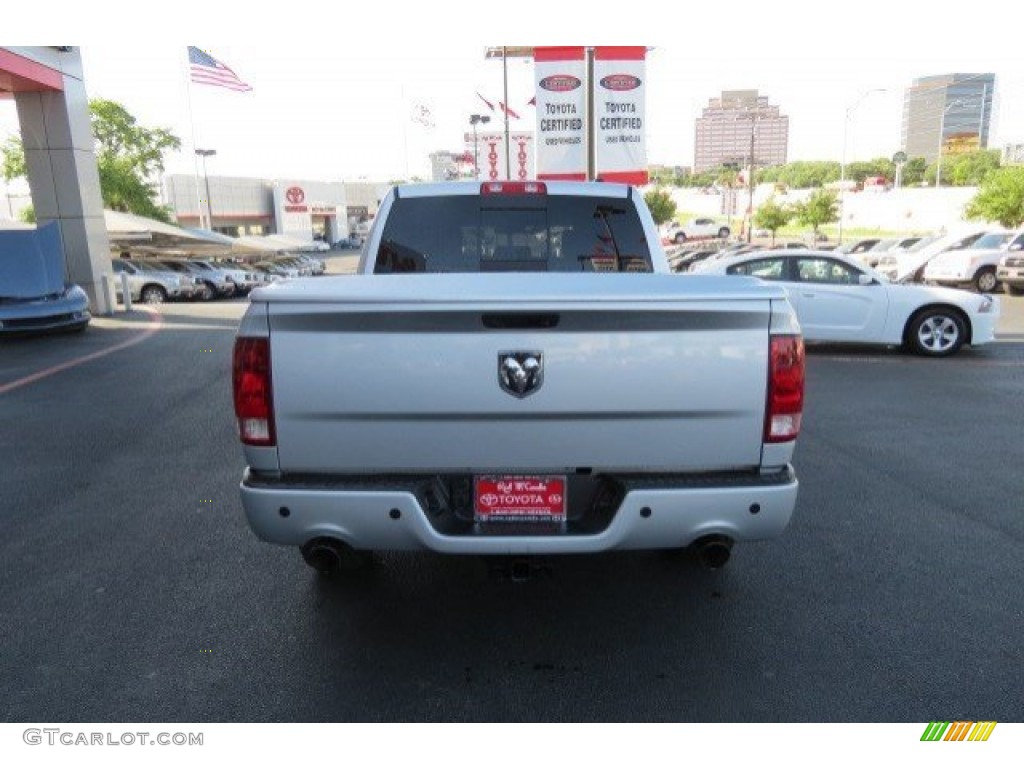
x: 967, y: 169
x: 822, y: 207
x: 130, y: 159
x: 880, y: 166
x: 662, y: 206
x: 13, y: 166
x: 914, y: 171
x: 1000, y: 198
x: 773, y: 216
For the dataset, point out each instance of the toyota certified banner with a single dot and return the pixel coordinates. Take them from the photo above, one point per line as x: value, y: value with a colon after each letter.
x: 489, y: 147
x: 619, y: 151
x: 561, y: 113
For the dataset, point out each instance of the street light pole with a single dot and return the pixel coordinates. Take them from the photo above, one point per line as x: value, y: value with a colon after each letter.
x: 942, y: 130
x: 205, y: 153
x: 473, y: 120
x: 842, y: 165
x: 750, y: 181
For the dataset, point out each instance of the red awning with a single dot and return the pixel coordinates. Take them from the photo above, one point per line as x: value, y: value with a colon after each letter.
x: 18, y: 74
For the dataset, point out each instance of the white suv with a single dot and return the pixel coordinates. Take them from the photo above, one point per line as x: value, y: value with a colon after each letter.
x: 976, y: 265
x: 696, y: 229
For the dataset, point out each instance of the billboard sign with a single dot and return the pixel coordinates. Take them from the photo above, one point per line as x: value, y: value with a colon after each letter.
x: 619, y: 131
x: 560, y: 78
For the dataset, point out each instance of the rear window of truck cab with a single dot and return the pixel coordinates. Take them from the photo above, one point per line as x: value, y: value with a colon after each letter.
x: 512, y: 233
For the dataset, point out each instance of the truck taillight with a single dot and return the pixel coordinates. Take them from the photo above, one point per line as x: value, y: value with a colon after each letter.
x: 785, y: 389
x: 513, y: 188
x: 254, y: 404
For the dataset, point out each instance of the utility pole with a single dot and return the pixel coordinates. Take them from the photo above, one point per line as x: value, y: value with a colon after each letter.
x: 942, y: 130
x: 842, y: 166
x: 750, y: 181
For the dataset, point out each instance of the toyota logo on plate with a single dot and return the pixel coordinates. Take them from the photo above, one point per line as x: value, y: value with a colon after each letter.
x: 295, y: 195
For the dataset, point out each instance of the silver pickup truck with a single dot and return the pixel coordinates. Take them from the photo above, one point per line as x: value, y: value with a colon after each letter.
x: 515, y: 371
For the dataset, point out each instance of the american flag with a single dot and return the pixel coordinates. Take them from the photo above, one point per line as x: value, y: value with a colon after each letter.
x: 207, y: 70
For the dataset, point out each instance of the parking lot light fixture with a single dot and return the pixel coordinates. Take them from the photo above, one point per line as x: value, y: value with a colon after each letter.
x: 474, y: 120
x: 842, y: 166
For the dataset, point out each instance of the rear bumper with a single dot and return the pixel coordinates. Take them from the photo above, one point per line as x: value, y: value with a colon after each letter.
x: 388, y: 515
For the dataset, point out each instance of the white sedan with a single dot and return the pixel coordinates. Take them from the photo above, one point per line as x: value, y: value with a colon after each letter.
x: 838, y: 299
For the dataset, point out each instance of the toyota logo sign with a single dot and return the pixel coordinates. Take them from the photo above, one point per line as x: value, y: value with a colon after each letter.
x: 295, y: 195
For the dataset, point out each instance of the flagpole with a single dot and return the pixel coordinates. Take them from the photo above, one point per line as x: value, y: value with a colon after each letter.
x: 195, y: 158
x: 508, y: 141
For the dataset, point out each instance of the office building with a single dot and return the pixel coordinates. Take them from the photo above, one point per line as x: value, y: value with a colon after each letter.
x: 724, y: 132
x: 952, y: 111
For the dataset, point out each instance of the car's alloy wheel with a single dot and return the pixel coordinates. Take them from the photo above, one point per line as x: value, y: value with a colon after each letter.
x: 723, y: 232
x: 986, y: 281
x: 937, y: 333
x: 208, y: 293
x: 680, y: 237
x: 154, y: 294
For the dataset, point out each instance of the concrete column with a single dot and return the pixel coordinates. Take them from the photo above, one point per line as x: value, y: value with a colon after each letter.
x: 62, y: 174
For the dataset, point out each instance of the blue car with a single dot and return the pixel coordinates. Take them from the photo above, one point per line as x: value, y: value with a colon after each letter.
x: 34, y: 296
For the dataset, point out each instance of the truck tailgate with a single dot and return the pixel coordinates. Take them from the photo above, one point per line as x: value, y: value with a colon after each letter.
x: 640, y: 372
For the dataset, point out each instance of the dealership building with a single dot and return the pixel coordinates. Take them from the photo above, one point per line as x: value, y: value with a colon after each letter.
x: 304, y: 209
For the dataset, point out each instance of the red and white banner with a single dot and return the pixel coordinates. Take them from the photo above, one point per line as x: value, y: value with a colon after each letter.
x: 619, y: 148
x: 560, y: 75
x: 490, y: 148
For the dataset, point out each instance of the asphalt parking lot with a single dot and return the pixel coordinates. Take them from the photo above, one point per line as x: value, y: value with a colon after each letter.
x: 133, y: 589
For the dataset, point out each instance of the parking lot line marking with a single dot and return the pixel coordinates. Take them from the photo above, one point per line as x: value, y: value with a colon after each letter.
x: 152, y: 328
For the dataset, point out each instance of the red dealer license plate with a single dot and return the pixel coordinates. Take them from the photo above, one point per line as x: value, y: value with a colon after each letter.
x: 520, y: 498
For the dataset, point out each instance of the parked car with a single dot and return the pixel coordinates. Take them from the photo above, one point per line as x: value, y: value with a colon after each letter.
x: 266, y: 275
x: 696, y: 229
x: 216, y: 276
x: 316, y: 266
x: 204, y: 290
x: 855, y: 247
x: 149, y: 284
x: 726, y: 254
x: 908, y: 266
x: 34, y: 297
x: 873, y: 255
x: 692, y: 257
x: 279, y: 270
x: 243, y: 279
x: 1011, y: 273
x: 838, y: 299
x: 977, y: 265
x: 349, y: 243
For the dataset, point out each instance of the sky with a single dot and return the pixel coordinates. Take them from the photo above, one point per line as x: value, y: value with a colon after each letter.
x: 333, y: 85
